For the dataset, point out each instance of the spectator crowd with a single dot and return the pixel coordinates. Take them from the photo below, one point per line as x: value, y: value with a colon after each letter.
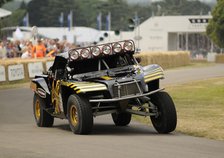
x: 33, y: 49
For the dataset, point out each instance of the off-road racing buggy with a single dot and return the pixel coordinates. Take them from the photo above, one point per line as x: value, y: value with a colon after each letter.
x: 102, y: 79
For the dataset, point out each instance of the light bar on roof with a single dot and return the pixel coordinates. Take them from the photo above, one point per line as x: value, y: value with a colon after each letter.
x: 126, y: 46
x: 85, y: 53
x: 117, y: 48
x: 106, y: 49
x: 95, y: 51
x: 74, y: 55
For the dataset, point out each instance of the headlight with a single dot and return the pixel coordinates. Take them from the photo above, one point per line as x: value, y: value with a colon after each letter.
x: 85, y: 53
x: 128, y: 46
x: 117, y: 47
x: 95, y: 51
x: 74, y: 55
x: 106, y: 49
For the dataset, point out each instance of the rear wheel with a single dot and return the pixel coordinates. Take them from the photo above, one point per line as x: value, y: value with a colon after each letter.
x: 121, y: 119
x: 42, y: 118
x: 80, y: 115
x: 166, y: 120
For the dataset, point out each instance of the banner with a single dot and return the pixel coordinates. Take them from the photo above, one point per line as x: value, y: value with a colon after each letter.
x: 99, y: 21
x: 26, y: 20
x: 70, y: 20
x: 49, y: 64
x: 108, y: 22
x: 15, y: 72
x: 61, y: 19
x: 35, y: 69
x: 2, y: 73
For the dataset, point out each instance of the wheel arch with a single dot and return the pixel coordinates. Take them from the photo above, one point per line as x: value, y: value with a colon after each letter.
x: 40, y: 87
x: 153, y: 85
x: 66, y: 92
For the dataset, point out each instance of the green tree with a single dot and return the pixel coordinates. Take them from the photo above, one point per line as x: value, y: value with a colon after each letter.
x: 180, y: 7
x: 15, y: 19
x: 215, y: 28
x: 3, y: 2
x: 47, y: 12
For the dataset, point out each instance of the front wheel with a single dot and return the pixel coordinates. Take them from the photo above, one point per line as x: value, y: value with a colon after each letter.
x: 80, y: 115
x: 166, y: 120
x: 42, y: 118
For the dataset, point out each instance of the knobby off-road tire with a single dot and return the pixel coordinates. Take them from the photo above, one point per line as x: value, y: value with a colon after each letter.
x: 167, y: 120
x: 121, y: 119
x: 42, y: 118
x: 80, y: 115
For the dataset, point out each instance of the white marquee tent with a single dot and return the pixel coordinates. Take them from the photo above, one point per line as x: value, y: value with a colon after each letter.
x: 166, y: 33
x: 4, y: 13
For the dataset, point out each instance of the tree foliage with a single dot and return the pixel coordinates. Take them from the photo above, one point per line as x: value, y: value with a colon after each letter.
x: 15, y: 19
x: 84, y: 12
x: 46, y: 13
x: 180, y: 7
x: 3, y: 2
x: 215, y: 29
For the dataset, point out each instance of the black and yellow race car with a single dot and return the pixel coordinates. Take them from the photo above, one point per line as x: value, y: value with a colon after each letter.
x: 102, y: 79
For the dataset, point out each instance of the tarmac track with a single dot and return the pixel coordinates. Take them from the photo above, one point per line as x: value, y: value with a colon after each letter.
x: 20, y: 138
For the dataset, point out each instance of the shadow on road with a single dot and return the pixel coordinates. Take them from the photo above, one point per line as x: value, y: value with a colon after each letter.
x: 109, y: 129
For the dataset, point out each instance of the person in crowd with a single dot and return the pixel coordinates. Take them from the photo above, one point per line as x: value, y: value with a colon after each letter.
x: 50, y: 45
x: 11, y: 53
x: 2, y: 50
x: 39, y: 49
x: 67, y: 46
x: 17, y: 48
x: 26, y: 49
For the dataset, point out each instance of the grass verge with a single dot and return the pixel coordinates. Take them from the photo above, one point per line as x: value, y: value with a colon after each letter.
x: 14, y: 84
x: 200, y: 108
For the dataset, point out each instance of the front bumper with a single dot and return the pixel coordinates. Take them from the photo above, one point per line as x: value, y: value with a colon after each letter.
x: 124, y: 98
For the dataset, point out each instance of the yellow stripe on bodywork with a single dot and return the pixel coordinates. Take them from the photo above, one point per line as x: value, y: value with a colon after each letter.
x: 72, y: 86
x: 90, y: 90
x: 156, y: 70
x: 67, y: 84
x: 106, y: 77
x: 153, y: 76
x: 82, y: 87
x: 88, y: 86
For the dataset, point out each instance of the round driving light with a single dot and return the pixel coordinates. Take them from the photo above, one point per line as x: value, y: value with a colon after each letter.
x: 106, y: 49
x: 85, y: 53
x: 74, y: 55
x: 128, y: 46
x: 117, y: 47
x: 95, y: 51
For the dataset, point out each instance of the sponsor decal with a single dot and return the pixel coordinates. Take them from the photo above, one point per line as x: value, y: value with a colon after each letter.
x: 41, y: 92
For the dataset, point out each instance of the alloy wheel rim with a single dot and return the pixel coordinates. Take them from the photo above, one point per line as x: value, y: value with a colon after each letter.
x: 37, y: 110
x: 74, y: 115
